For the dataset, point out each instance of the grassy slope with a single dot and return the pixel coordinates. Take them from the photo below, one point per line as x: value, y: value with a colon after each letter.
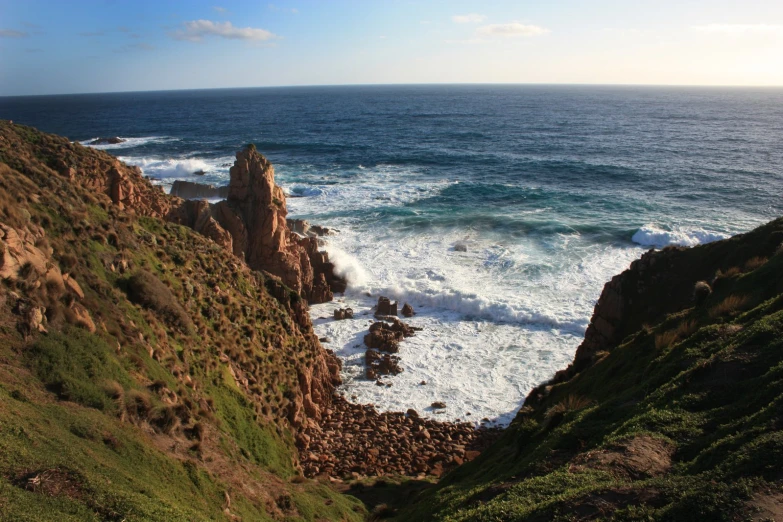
x: 680, y: 421
x: 142, y: 420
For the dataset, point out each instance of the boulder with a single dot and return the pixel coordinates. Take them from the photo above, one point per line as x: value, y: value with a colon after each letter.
x: 407, y: 310
x: 460, y: 247
x: 385, y: 307
x: 343, y: 313
x: 381, y: 364
x: 300, y: 226
x: 191, y: 190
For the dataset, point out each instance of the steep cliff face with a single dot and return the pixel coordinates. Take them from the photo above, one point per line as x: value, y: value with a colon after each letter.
x: 152, y: 374
x: 662, y: 282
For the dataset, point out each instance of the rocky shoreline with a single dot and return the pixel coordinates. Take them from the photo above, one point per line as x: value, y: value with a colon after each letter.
x: 352, y: 441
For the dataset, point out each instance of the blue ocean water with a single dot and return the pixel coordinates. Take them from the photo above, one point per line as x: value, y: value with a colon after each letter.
x: 551, y: 189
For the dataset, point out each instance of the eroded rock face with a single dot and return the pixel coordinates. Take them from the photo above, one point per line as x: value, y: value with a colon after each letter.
x: 254, y: 215
x: 198, y: 216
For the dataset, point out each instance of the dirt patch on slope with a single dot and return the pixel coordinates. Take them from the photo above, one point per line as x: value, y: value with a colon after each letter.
x: 633, y: 459
x: 766, y: 506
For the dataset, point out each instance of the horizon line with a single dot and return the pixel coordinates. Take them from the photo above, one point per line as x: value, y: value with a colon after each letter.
x: 421, y: 84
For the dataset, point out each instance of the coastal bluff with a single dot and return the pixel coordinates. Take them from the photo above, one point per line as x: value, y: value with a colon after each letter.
x: 250, y: 222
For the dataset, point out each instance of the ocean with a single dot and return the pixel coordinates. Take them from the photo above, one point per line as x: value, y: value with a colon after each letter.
x: 549, y: 190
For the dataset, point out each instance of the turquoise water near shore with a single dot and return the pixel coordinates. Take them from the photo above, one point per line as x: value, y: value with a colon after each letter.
x: 551, y: 189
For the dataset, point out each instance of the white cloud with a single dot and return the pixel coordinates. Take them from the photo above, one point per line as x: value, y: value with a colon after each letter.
x: 220, y: 9
x: 10, y: 33
x: 471, y: 18
x: 512, y: 30
x: 196, y: 30
x: 739, y: 29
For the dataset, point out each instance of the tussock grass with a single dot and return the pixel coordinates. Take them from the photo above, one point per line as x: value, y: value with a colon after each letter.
x: 684, y: 330
x: 145, y: 289
x: 569, y: 403
x: 754, y: 263
x: 730, y: 305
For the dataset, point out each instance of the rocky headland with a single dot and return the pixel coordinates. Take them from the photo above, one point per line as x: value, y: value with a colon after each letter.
x: 157, y: 362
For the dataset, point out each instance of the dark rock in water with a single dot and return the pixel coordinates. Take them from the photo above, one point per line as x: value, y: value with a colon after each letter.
x: 438, y: 405
x: 318, y: 230
x: 190, y: 190
x: 381, y: 364
x: 384, y: 340
x: 107, y: 141
x: 303, y: 227
x: 326, y: 280
x: 343, y: 313
x: 407, y: 310
x: 387, y: 337
x: 385, y: 307
x: 460, y: 247
x: 199, y: 173
x: 300, y: 226
x: 412, y: 413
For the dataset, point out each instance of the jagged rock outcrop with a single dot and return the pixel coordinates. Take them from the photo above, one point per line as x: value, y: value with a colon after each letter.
x: 190, y: 190
x: 254, y: 218
x: 123, y: 184
x: 197, y: 214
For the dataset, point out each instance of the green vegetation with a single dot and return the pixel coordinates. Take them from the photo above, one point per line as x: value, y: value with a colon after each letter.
x: 73, y: 364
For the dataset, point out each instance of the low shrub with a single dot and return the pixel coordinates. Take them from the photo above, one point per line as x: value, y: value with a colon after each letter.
x: 701, y: 291
x: 730, y: 305
x: 146, y: 290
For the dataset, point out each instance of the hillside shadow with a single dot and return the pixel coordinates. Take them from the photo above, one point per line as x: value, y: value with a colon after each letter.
x: 385, y: 496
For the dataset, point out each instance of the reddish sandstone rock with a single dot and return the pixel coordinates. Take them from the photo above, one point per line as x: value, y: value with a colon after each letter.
x: 385, y: 307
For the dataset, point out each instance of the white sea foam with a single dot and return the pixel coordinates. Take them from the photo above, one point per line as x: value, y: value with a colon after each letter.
x: 348, y: 267
x: 128, y: 142
x: 498, y: 319
x: 381, y: 186
x: 166, y: 170
x: 303, y: 191
x: 653, y: 236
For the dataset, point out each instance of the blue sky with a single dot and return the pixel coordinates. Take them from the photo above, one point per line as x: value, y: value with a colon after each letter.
x: 49, y: 47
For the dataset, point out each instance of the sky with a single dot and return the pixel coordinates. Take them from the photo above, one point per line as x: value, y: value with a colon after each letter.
x: 58, y: 46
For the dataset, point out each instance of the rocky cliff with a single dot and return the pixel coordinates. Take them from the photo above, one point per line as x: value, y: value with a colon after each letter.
x: 147, y: 372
